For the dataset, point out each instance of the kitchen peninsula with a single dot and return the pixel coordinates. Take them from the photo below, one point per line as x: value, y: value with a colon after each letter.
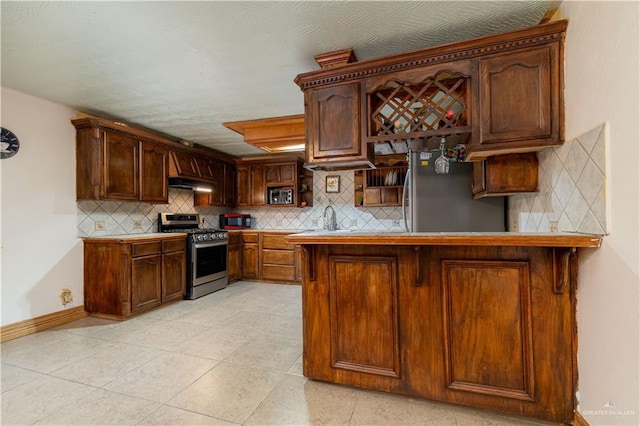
x: 484, y: 320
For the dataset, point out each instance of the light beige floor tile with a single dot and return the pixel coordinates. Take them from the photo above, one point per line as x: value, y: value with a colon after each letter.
x: 32, y: 341
x: 268, y: 323
x: 13, y: 376
x: 111, y: 330
x: 373, y: 408
x: 107, y: 365
x: 102, y: 407
x: 88, y: 326
x: 271, y: 352
x: 38, y: 398
x: 469, y: 417
x: 209, y: 315
x: 171, y: 416
x: 162, y: 378
x: 229, y: 392
x: 217, y: 343
x: 296, y: 401
x: 164, y: 335
x: 57, y: 355
x: 296, y: 368
x: 172, y: 311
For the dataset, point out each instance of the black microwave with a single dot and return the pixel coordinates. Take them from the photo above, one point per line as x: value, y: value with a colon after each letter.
x: 235, y: 221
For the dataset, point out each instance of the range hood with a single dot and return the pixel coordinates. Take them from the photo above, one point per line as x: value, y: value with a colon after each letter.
x: 191, y: 184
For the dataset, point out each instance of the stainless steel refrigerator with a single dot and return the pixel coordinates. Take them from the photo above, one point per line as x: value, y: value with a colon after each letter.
x: 444, y: 202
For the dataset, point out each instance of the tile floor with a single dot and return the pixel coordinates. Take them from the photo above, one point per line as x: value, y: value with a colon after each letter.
x: 229, y: 358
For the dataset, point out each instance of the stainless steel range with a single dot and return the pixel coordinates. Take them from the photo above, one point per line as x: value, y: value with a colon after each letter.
x: 206, y: 252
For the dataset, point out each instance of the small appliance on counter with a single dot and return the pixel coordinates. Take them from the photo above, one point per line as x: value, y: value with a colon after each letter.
x: 235, y: 221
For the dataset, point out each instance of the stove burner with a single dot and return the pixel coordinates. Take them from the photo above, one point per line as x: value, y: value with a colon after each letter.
x: 188, y: 223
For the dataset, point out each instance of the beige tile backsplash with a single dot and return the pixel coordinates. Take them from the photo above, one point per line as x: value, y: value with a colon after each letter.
x: 572, y: 195
x: 572, y: 198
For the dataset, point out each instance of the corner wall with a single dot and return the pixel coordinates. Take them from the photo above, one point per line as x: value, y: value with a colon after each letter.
x: 41, y: 253
x: 602, y: 85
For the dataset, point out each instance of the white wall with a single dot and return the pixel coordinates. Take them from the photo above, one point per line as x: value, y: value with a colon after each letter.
x: 602, y: 50
x: 41, y: 253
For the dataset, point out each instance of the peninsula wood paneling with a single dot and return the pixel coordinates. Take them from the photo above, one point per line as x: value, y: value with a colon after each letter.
x: 364, y: 314
x: 487, y: 327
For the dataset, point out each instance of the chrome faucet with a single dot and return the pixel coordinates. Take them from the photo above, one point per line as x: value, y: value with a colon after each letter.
x: 330, y: 223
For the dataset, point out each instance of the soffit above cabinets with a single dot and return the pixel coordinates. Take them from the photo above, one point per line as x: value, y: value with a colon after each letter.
x: 273, y: 135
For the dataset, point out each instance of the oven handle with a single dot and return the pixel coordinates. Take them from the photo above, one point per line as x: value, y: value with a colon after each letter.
x: 205, y: 244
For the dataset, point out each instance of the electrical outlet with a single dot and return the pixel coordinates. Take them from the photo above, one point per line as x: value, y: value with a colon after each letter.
x: 66, y: 297
x: 137, y: 224
x: 395, y: 223
x: 100, y: 226
x: 354, y: 222
x: 279, y: 222
x: 314, y: 222
x: 553, y: 226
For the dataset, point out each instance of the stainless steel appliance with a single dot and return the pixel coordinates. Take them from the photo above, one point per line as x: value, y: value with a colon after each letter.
x: 206, y: 253
x: 280, y: 196
x: 235, y: 221
x: 442, y: 202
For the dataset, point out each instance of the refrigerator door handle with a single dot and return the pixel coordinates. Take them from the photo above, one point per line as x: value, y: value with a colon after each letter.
x: 405, y: 189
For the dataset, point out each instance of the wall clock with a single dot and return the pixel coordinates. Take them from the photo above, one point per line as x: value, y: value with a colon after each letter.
x: 9, y: 144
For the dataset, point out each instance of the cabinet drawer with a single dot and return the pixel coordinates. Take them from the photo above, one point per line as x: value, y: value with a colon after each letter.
x: 145, y: 249
x: 278, y: 257
x: 249, y: 238
x: 275, y: 242
x: 234, y: 238
x: 279, y: 272
x: 173, y: 245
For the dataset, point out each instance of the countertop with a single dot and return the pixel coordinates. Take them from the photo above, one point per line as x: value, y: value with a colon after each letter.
x: 136, y: 237
x: 367, y: 237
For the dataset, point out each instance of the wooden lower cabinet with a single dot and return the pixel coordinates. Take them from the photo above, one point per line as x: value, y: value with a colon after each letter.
x: 277, y: 258
x: 146, y: 279
x: 174, y: 270
x: 250, y: 255
x: 234, y: 256
x: 131, y: 275
x: 264, y: 256
x: 485, y: 327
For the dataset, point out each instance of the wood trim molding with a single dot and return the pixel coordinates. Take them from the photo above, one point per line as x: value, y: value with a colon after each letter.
x: 468, y: 49
x: 578, y: 420
x: 33, y: 325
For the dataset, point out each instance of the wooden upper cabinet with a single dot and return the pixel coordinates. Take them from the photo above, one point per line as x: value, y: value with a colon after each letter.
x: 498, y: 94
x: 333, y: 126
x: 115, y: 162
x: 519, y: 97
x: 184, y: 165
x: 120, y: 167
x: 154, y: 162
x: 243, y: 197
x: 251, y: 189
x: 258, y: 192
x: 280, y: 174
x: 256, y: 177
x: 509, y: 174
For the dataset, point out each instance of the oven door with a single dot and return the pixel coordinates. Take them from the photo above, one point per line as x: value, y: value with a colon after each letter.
x: 208, y: 261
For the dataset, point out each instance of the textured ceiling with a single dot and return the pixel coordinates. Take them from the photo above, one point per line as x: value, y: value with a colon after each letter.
x: 183, y: 68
